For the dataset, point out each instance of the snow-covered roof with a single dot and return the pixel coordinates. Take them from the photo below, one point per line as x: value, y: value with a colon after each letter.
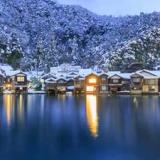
x: 125, y: 75
x: 12, y: 73
x: 111, y: 73
x: 50, y: 80
x: 147, y: 74
x: 64, y: 68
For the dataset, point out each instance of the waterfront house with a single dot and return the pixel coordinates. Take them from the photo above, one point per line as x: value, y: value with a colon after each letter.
x: 20, y: 82
x: 92, y: 83
x: 8, y: 84
x: 103, y: 78
x: 79, y: 84
x: 70, y: 85
x: 50, y: 85
x: 150, y: 82
x: 16, y: 82
x: 136, y: 83
x: 125, y: 82
x: 61, y: 86
x: 115, y: 83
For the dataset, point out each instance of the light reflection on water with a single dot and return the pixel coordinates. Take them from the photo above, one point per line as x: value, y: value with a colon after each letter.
x: 110, y: 127
x: 91, y: 114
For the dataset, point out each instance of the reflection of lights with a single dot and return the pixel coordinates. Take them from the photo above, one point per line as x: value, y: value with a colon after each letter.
x: 20, y: 107
x: 135, y: 101
x: 8, y: 107
x: 92, y: 115
x: 93, y: 80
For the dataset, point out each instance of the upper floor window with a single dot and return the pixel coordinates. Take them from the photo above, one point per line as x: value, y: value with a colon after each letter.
x: 136, y: 80
x: 20, y: 79
x: 104, y: 79
x: 92, y: 80
x: 115, y: 81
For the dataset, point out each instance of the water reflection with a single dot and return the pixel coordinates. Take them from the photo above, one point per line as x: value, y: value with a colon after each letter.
x: 91, y: 114
x: 8, y: 105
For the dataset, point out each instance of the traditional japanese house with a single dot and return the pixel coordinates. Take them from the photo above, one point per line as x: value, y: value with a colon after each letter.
x: 20, y: 82
x: 79, y: 85
x: 8, y: 84
x: 115, y: 83
x: 103, y: 78
x: 61, y: 85
x: 92, y: 83
x: 150, y: 82
x: 125, y: 82
x: 136, y: 83
x: 51, y: 85
x: 70, y: 85
x: 157, y: 73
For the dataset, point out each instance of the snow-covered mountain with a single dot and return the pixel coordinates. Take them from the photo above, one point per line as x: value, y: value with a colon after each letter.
x: 42, y: 33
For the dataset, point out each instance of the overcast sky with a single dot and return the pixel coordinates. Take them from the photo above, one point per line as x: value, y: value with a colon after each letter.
x: 117, y: 7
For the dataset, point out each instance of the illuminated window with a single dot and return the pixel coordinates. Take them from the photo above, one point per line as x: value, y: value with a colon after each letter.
x: 90, y: 88
x: 20, y: 79
x: 93, y: 80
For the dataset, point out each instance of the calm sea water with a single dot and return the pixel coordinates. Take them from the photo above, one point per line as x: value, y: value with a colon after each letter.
x: 43, y: 127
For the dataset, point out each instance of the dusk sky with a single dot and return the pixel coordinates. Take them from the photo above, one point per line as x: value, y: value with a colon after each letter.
x: 117, y: 7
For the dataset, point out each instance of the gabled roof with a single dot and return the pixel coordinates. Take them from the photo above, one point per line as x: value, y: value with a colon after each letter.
x: 92, y: 74
x: 102, y: 73
x: 111, y: 73
x: 147, y: 74
x: 48, y: 75
x: 50, y: 80
x: 115, y: 76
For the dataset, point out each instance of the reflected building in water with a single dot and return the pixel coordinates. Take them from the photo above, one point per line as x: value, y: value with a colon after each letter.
x: 92, y: 114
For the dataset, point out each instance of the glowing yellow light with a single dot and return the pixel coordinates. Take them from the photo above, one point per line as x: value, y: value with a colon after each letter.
x: 91, y: 114
x: 90, y: 88
x: 93, y: 80
x: 8, y: 85
x: 20, y: 79
x: 8, y: 107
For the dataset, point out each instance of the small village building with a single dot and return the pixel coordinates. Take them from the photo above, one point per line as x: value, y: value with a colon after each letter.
x: 20, y: 82
x: 8, y: 84
x: 150, y: 82
x: 61, y: 86
x: 115, y: 83
x: 70, y: 85
x: 79, y: 84
x: 103, y: 78
x: 126, y: 82
x: 92, y: 83
x: 51, y: 85
x: 16, y: 82
x: 136, y: 83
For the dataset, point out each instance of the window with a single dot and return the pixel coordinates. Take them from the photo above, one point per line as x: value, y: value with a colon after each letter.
x: 115, y: 80
x: 93, y: 80
x: 150, y: 81
x: 20, y: 79
x: 104, y: 88
x: 136, y: 80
